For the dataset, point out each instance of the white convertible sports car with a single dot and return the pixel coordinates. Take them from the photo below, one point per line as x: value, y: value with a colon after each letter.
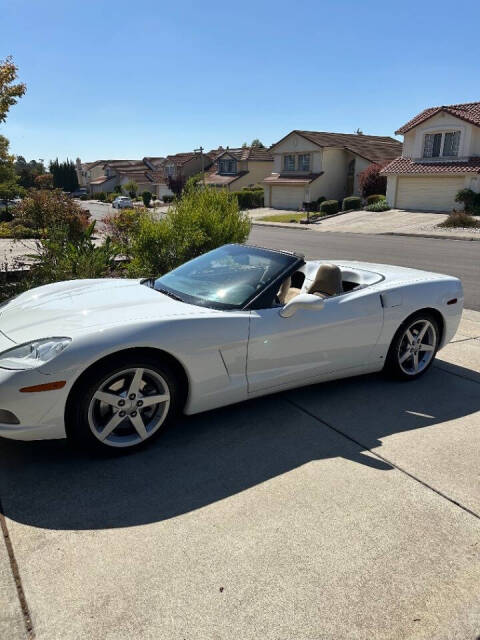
x: 108, y: 363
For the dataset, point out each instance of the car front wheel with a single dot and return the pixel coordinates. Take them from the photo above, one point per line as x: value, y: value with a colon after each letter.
x: 122, y: 407
x: 413, y: 347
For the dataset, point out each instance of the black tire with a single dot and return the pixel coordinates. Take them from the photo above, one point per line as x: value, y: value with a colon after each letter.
x: 393, y: 368
x: 78, y: 417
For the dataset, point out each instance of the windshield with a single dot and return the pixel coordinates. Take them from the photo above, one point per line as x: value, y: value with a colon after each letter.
x: 225, y: 278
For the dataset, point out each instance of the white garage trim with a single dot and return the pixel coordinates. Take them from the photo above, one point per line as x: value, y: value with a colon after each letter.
x: 288, y: 197
x: 432, y: 193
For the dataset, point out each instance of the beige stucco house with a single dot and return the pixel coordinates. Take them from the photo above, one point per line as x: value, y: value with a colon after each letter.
x: 235, y: 169
x: 440, y: 156
x: 310, y: 164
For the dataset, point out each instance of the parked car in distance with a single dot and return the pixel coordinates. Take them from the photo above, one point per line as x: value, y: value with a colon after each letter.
x: 122, y: 202
x: 110, y: 362
x: 81, y: 191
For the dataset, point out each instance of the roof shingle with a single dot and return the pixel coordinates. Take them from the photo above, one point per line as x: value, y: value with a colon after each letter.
x: 469, y: 111
x: 407, y: 165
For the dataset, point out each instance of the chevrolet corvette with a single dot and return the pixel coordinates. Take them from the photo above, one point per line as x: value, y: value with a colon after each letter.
x: 109, y: 363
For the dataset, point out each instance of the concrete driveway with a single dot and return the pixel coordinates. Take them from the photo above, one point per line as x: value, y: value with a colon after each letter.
x: 343, y: 510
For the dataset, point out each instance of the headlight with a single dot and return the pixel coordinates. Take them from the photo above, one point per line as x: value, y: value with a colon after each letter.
x: 33, y: 354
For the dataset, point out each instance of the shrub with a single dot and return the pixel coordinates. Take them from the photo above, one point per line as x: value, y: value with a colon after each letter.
x: 5, y: 215
x: 48, y: 211
x: 122, y: 227
x: 118, y: 189
x: 11, y: 230
x: 382, y: 205
x: 328, y: 207
x: 460, y: 219
x: 146, y: 197
x: 320, y: 200
x: 110, y: 197
x: 102, y: 196
x: 201, y: 220
x: 131, y: 187
x: 371, y: 182
x: 351, y: 202
x: 249, y: 199
x: 375, y: 197
x: 254, y: 188
x: 59, y: 257
x: 469, y: 199
x: 168, y: 199
x: 85, y: 196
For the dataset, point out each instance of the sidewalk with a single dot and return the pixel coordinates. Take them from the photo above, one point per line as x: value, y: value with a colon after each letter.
x: 395, y: 221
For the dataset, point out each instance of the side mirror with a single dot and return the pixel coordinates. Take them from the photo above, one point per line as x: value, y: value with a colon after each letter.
x: 302, y: 301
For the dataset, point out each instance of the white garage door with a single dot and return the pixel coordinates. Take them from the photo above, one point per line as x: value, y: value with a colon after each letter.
x: 287, y: 197
x: 428, y: 194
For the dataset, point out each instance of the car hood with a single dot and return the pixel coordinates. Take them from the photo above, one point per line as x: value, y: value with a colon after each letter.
x: 69, y: 308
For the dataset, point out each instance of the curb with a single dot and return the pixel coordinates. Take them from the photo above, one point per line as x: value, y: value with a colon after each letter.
x: 282, y: 225
x: 427, y: 235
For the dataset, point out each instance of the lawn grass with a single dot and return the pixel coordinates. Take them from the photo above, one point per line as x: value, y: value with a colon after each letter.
x: 285, y: 217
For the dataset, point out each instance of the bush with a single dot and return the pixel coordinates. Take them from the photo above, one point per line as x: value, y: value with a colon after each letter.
x: 371, y: 182
x: 5, y: 215
x: 86, y: 196
x: 254, y: 188
x: 168, y: 199
x: 375, y: 197
x: 118, y: 189
x: 382, y: 205
x: 249, y: 199
x: 102, y: 196
x: 11, y: 230
x: 351, y: 202
x: 460, y: 219
x: 122, y: 227
x: 48, y: 211
x: 328, y: 207
x: 146, y: 197
x: 469, y: 199
x: 320, y: 200
x: 201, y: 220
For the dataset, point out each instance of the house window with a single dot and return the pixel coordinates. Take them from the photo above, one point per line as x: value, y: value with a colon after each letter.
x: 441, y: 144
x: 451, y: 143
x: 289, y: 163
x: 433, y: 143
x: 169, y: 169
x: 227, y: 165
x: 304, y: 162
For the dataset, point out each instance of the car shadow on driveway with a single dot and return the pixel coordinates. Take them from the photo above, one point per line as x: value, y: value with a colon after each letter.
x: 211, y: 456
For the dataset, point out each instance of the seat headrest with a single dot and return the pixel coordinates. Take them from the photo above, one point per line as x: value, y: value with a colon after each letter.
x: 328, y: 280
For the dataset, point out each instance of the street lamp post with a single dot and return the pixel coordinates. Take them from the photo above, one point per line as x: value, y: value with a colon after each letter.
x: 200, y: 151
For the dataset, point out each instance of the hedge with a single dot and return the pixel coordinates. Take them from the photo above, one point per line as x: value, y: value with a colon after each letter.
x: 376, y: 197
x: 351, y: 202
x: 168, y: 199
x: 249, y: 199
x: 329, y: 206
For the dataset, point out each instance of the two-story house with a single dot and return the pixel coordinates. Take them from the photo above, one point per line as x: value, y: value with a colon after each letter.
x: 182, y: 166
x: 234, y: 169
x: 440, y: 156
x: 310, y: 164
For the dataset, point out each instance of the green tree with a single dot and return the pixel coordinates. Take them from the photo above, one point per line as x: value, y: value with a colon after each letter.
x: 64, y: 175
x: 28, y: 171
x: 45, y: 181
x: 9, y: 186
x: 9, y: 91
x: 131, y: 187
x: 146, y: 197
x: 257, y: 143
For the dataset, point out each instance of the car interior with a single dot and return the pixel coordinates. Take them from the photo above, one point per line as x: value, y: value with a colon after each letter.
x: 325, y: 280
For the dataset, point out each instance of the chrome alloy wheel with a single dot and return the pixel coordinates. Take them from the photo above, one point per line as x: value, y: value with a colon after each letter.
x: 417, y: 347
x: 129, y: 407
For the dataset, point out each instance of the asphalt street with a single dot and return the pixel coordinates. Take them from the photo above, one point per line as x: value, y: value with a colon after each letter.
x: 460, y: 258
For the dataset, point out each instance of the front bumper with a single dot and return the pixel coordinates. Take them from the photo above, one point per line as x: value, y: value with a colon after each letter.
x: 40, y: 415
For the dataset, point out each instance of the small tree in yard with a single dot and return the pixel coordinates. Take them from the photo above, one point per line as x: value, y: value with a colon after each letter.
x: 201, y: 220
x: 131, y: 187
x: 48, y: 211
x: 371, y: 182
x: 45, y: 181
x: 176, y: 185
x: 9, y: 187
x: 146, y: 197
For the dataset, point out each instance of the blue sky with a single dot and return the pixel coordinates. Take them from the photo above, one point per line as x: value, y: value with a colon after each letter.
x: 128, y: 79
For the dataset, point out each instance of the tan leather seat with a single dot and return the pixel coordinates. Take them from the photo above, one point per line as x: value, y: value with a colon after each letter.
x: 328, y: 281
x: 287, y: 292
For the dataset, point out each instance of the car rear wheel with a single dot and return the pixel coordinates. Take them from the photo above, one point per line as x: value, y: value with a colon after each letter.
x: 121, y: 407
x: 413, y: 347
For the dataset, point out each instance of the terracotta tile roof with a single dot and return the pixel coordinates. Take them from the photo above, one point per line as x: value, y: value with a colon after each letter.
x: 258, y: 154
x: 218, y: 180
x: 101, y: 180
x: 280, y: 178
x: 407, y: 165
x: 154, y: 162
x: 180, y: 158
x: 469, y: 111
x: 379, y: 149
